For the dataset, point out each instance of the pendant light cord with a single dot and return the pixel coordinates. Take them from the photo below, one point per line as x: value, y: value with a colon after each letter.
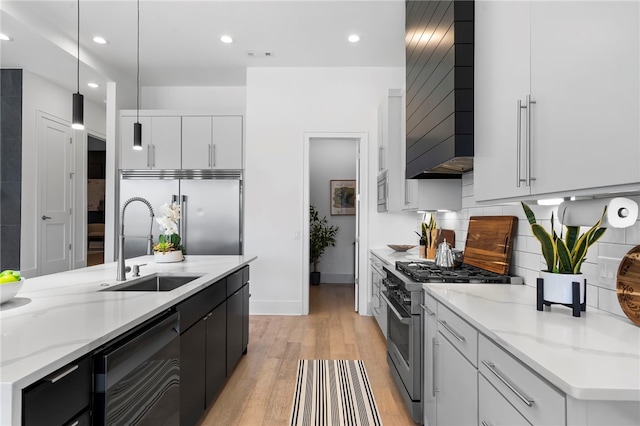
x: 138, y: 70
x: 78, y: 66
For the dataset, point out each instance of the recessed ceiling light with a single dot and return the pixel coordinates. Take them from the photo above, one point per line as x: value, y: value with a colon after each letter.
x: 99, y: 40
x: 93, y: 85
x: 354, y: 38
x: 226, y: 39
x: 5, y: 37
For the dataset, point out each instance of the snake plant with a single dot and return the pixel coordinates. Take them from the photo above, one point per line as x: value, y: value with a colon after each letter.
x: 564, y: 255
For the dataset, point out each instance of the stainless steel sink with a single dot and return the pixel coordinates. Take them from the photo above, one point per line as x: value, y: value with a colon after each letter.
x: 154, y: 282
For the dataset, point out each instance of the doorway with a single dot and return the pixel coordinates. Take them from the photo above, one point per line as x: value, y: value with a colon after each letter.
x: 323, y: 153
x: 96, y: 178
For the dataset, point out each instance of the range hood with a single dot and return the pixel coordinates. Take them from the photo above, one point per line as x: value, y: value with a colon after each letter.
x: 439, y: 88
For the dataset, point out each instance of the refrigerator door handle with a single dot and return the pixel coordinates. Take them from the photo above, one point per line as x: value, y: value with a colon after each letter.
x: 183, y: 221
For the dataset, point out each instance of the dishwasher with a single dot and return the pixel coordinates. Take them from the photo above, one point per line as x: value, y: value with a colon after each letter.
x: 137, y: 376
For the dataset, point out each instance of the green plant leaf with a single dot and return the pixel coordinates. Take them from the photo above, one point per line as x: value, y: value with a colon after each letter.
x: 565, y: 264
x: 549, y: 249
x: 531, y: 217
x: 572, y: 236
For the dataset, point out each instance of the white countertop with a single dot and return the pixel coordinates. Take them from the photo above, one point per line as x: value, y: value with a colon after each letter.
x: 58, y: 318
x: 390, y: 256
x: 592, y: 357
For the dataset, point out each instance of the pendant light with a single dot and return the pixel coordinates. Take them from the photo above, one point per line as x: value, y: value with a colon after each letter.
x: 77, y: 117
x: 137, y: 127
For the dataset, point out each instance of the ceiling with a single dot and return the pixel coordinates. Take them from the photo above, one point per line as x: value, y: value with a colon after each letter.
x: 179, y: 40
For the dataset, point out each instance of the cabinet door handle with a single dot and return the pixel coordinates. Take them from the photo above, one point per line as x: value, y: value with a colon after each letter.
x: 519, y: 179
x: 76, y: 423
x: 149, y: 155
x: 492, y: 367
x: 210, y: 154
x: 434, y: 369
x: 485, y: 423
x: 214, y: 155
x: 452, y: 331
x: 427, y: 310
x: 153, y: 157
x: 528, y: 140
x: 63, y: 374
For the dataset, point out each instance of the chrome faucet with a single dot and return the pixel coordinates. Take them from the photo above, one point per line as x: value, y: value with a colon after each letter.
x: 121, y: 274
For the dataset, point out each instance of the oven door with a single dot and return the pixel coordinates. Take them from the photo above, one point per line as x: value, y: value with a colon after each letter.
x: 404, y: 346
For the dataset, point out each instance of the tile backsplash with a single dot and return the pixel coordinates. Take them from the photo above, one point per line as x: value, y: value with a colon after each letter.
x: 603, y: 258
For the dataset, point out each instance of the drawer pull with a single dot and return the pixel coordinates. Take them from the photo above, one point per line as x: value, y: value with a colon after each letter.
x: 63, y: 374
x: 485, y: 423
x: 427, y: 310
x: 492, y: 367
x: 76, y: 423
x: 452, y: 331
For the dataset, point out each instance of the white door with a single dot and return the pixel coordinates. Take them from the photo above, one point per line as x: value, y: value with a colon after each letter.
x: 55, y: 196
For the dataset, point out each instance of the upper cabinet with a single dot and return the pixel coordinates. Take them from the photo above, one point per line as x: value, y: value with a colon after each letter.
x: 408, y: 194
x: 160, y: 143
x: 212, y: 142
x: 182, y: 142
x: 557, y: 88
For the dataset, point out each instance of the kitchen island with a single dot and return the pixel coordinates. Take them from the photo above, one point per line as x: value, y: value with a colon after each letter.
x: 56, y: 319
x: 586, y: 369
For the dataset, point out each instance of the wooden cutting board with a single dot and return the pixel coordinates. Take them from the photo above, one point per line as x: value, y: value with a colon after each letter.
x: 449, y: 235
x: 628, y: 285
x: 490, y: 242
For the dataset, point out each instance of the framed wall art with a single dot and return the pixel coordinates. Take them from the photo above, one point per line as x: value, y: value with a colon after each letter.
x: 343, y: 197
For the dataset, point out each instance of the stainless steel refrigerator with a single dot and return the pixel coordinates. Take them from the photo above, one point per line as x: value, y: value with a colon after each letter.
x: 211, y: 208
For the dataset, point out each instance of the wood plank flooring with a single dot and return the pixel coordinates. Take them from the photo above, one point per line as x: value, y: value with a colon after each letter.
x: 260, y: 391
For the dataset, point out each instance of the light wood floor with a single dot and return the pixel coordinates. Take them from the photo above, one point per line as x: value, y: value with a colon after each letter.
x: 260, y: 391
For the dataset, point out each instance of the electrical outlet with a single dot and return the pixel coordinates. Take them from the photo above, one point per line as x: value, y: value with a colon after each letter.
x: 608, y: 268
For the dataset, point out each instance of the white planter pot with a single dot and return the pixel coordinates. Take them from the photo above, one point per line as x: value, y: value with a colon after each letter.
x: 558, y: 287
x: 168, y: 257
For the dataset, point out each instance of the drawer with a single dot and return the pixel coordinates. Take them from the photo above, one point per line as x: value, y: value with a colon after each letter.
x: 60, y: 396
x: 537, y: 400
x: 430, y: 303
x: 461, y: 335
x: 234, y: 282
x: 494, y: 409
x: 245, y: 274
x: 197, y: 306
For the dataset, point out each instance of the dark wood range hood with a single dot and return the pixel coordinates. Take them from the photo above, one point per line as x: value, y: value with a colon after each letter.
x: 439, y: 88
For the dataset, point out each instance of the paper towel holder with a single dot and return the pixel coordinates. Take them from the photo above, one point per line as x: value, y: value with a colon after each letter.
x: 587, y: 211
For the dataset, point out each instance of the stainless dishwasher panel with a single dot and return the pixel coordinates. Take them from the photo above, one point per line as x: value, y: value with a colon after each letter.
x: 137, y: 379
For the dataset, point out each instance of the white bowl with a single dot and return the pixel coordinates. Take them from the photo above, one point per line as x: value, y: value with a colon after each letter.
x: 9, y: 290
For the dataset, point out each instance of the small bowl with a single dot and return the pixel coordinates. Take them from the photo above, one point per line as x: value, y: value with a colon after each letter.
x: 400, y: 247
x: 9, y: 290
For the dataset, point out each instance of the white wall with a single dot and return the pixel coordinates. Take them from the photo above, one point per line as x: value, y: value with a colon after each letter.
x: 40, y: 95
x: 333, y: 159
x: 603, y: 257
x: 217, y: 100
x: 283, y: 104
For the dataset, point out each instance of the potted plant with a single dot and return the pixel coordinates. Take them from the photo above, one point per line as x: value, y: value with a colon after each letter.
x: 168, y: 248
x: 564, y: 256
x: 430, y: 236
x: 321, y: 236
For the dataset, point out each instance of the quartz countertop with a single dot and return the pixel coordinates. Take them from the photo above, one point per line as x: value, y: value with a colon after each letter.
x: 390, y: 256
x: 58, y: 318
x: 592, y: 357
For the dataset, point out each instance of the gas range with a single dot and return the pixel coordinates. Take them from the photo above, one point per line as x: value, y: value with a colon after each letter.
x: 428, y: 272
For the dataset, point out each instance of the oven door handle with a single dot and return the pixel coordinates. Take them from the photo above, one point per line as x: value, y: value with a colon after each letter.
x: 395, y: 311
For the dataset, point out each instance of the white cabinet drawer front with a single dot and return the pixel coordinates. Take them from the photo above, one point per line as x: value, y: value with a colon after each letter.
x: 530, y: 394
x: 430, y: 303
x: 494, y: 409
x: 462, y: 335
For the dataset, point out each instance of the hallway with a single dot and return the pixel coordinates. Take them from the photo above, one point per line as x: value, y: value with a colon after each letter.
x: 260, y: 391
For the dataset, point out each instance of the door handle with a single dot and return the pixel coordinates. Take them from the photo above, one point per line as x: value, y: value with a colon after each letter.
x: 45, y: 217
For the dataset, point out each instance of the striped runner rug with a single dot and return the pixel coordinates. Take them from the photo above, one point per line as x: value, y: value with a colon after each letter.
x: 333, y: 392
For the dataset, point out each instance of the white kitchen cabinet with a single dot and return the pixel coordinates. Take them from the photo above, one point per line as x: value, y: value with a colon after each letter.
x: 131, y: 158
x: 197, y: 142
x: 456, y: 386
x: 378, y: 306
x: 430, y: 329
x: 408, y: 194
x: 161, y: 143
x: 227, y: 142
x: 494, y: 409
x: 574, y: 66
